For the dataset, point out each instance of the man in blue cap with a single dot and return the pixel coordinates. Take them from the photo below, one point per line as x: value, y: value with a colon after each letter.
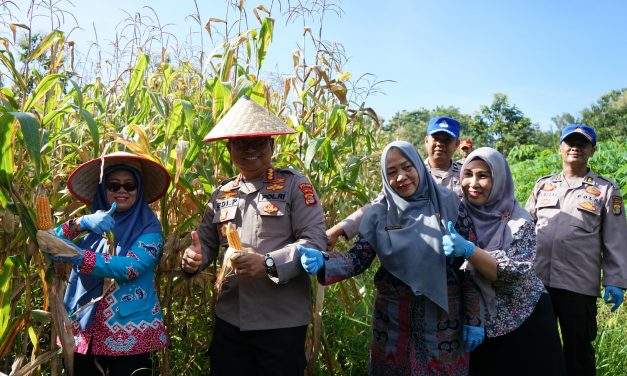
x: 581, y: 235
x: 441, y: 143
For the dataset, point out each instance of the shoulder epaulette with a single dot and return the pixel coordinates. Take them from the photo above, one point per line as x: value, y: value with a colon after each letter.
x: 226, y: 181
x: 609, y: 181
x: 544, y: 177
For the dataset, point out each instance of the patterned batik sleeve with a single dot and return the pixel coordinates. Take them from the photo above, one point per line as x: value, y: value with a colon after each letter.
x: 342, y: 265
x: 516, y: 263
x: 142, y: 257
x: 471, y: 295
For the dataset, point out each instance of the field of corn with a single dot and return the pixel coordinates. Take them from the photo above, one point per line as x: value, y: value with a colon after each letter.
x: 153, y: 102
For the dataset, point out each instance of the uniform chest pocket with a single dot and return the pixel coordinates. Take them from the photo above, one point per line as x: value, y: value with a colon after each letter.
x: 225, y: 214
x: 587, y: 217
x: 546, y: 201
x: 273, y: 218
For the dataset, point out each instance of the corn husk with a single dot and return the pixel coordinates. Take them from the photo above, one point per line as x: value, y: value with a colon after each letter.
x: 234, y: 251
x: 51, y: 244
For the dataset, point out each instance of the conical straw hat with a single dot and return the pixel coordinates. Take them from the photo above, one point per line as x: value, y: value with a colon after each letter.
x: 83, y: 182
x: 247, y: 119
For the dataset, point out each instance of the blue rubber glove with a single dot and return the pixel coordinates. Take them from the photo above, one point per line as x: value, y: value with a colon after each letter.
x: 99, y: 222
x: 454, y: 244
x: 473, y: 336
x: 311, y: 259
x: 614, y: 295
x: 76, y: 260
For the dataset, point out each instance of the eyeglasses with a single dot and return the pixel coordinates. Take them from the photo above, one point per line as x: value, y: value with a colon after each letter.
x: 129, y: 186
x: 253, y: 142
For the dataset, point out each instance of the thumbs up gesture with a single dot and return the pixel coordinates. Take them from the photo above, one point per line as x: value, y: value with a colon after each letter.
x: 454, y: 244
x: 192, y: 257
x: 99, y: 222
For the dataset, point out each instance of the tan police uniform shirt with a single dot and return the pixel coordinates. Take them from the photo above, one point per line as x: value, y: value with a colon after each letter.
x: 581, y: 230
x: 447, y: 178
x: 273, y: 214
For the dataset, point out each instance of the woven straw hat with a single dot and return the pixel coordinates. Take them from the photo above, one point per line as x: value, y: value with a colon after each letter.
x: 83, y: 182
x: 247, y: 119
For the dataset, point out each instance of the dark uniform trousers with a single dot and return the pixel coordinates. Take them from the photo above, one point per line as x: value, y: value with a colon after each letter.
x: 577, y: 316
x: 270, y: 352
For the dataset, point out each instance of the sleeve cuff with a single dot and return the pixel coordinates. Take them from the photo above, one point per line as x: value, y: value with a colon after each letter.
x: 67, y: 231
x: 89, y: 262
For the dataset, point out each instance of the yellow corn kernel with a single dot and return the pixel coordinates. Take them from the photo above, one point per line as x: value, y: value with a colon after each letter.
x: 233, y: 237
x: 42, y: 210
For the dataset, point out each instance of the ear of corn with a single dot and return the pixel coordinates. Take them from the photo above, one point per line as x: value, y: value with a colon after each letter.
x: 43, y: 212
x: 233, y: 237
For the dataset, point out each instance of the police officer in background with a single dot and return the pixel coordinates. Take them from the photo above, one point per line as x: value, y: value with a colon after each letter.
x: 582, y: 236
x: 465, y: 148
x: 441, y: 143
x: 262, y: 311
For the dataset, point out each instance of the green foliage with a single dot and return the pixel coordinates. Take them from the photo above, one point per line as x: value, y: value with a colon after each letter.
x: 608, y: 116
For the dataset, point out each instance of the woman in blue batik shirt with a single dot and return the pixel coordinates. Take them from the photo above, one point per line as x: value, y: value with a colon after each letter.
x: 125, y: 324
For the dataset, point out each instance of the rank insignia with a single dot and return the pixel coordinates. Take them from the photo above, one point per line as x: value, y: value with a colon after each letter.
x: 270, y: 208
x: 279, y: 180
x: 227, y: 194
x: 593, y: 191
x: 549, y: 187
x: 587, y: 205
x: 275, y: 187
x: 270, y: 174
x: 310, y: 199
x: 617, y: 205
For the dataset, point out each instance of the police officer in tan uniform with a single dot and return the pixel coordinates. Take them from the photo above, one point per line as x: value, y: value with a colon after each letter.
x: 441, y: 142
x: 263, y: 310
x: 582, y: 237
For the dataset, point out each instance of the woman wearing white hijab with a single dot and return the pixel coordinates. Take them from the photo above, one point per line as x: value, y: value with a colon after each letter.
x: 426, y: 311
x: 521, y: 331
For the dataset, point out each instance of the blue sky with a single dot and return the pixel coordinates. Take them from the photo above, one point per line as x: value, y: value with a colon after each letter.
x: 549, y: 56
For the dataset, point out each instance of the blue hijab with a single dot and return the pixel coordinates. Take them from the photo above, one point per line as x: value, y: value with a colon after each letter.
x: 129, y: 225
x: 407, y: 232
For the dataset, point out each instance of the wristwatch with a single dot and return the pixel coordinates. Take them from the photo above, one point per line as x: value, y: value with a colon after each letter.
x: 270, y: 267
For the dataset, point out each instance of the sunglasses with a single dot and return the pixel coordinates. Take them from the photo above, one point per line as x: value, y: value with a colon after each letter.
x: 254, y: 142
x: 115, y: 186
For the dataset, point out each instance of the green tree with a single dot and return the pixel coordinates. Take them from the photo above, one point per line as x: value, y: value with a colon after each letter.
x: 502, y: 125
x: 608, y: 116
x: 412, y: 126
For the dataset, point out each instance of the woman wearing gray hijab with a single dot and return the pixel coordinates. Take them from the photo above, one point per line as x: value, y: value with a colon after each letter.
x: 521, y: 331
x: 426, y: 315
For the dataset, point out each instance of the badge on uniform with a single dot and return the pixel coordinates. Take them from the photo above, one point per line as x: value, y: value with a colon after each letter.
x: 617, y: 205
x: 275, y: 187
x: 227, y: 194
x: 308, y: 194
x: 587, y: 205
x: 270, y: 208
x: 588, y: 179
x: 593, y: 191
x: 544, y: 201
x: 549, y: 187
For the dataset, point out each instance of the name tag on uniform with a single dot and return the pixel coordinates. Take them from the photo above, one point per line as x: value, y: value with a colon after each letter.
x: 387, y: 228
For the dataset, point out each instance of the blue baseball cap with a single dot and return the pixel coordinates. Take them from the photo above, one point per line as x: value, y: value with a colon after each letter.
x: 444, y: 124
x: 580, y: 129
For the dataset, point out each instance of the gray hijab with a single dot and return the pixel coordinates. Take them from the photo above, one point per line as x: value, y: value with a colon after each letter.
x: 501, y: 216
x: 407, y: 233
